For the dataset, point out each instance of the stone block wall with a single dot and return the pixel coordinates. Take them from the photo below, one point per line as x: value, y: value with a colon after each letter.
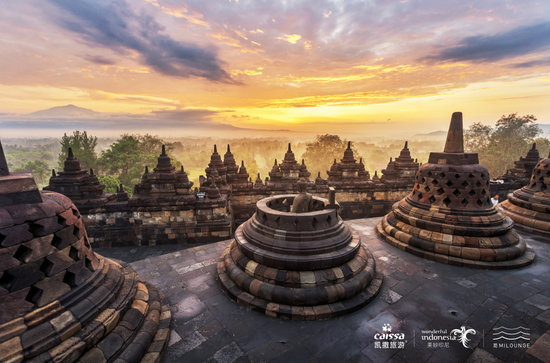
x: 374, y: 200
x: 134, y: 223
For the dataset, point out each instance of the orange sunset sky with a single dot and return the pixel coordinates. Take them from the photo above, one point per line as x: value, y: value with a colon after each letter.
x: 314, y: 65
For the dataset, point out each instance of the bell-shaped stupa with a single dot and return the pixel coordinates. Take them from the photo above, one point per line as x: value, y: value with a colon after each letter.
x: 529, y: 207
x: 60, y: 301
x: 449, y: 216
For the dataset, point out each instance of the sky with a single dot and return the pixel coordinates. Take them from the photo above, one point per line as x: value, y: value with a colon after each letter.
x: 357, y: 67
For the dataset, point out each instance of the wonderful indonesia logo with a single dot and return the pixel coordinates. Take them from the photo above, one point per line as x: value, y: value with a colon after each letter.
x: 440, y: 338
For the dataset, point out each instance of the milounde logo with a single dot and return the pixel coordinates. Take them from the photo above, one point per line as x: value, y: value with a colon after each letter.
x: 388, y: 335
x: 462, y: 335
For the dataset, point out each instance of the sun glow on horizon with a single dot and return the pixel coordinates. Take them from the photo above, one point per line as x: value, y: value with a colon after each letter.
x: 296, y: 66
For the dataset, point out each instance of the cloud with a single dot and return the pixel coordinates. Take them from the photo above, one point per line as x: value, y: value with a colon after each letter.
x: 490, y: 48
x: 514, y: 98
x: 97, y: 59
x: 113, y: 24
x: 291, y: 38
x: 193, y: 114
x: 533, y: 63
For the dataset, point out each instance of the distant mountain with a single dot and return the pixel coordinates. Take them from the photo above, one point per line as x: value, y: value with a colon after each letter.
x: 65, y: 111
x: 74, y: 117
x: 433, y: 134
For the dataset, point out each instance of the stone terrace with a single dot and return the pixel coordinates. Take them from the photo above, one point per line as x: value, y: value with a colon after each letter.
x: 416, y: 294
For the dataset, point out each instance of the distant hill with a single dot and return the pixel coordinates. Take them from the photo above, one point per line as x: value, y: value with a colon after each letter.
x: 74, y: 117
x: 434, y: 134
x: 65, y: 111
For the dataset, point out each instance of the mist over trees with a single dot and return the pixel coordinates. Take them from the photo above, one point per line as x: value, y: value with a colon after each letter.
x: 122, y: 160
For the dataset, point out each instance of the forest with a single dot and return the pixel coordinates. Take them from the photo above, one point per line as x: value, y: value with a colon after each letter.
x: 122, y: 160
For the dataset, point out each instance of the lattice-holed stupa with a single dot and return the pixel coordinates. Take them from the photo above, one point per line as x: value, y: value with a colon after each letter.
x: 61, y: 302
x: 300, y: 266
x: 449, y: 216
x: 529, y: 207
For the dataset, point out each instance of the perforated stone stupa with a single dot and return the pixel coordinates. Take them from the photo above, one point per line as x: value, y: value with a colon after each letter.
x: 301, y: 266
x: 61, y: 302
x: 529, y: 207
x: 449, y: 216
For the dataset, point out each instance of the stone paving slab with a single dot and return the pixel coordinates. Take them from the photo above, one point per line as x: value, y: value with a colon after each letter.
x: 418, y: 296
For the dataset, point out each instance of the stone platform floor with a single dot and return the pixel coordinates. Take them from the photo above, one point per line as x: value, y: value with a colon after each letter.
x: 416, y: 295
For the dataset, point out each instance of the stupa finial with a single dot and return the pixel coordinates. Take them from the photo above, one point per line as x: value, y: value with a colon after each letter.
x: 163, y: 150
x: 406, y: 145
x: 534, y: 146
x: 455, y: 136
x: 289, y: 149
x: 71, y: 155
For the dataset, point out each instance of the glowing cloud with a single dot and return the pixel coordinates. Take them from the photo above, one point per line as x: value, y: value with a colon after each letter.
x: 293, y: 39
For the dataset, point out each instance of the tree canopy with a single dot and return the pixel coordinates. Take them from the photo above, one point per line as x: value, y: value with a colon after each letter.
x: 500, y: 146
x: 320, y: 154
x: 126, y: 159
x: 39, y: 169
x: 83, y: 147
x: 111, y: 184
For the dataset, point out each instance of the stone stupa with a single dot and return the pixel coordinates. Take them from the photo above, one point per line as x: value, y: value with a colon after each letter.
x: 301, y: 266
x: 523, y: 168
x: 449, y: 216
x: 61, y: 302
x: 529, y: 207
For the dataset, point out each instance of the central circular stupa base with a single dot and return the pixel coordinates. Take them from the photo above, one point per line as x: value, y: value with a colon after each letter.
x: 300, y: 266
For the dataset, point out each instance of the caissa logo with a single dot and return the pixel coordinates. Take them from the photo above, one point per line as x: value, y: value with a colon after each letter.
x: 388, y: 335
